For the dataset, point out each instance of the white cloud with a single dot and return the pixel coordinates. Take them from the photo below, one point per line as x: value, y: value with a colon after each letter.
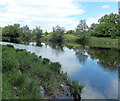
x: 105, y: 6
x: 98, y: 0
x: 44, y: 13
x: 92, y: 20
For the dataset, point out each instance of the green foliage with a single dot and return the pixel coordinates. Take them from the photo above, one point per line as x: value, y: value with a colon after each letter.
x: 12, y: 32
x: 38, y: 33
x: 57, y: 35
x: 108, y: 26
x: 22, y: 77
x: 76, y: 89
x: 103, y: 40
x: 82, y: 27
x: 46, y: 33
x: 15, y: 33
x: 107, y: 59
x: 9, y: 61
x: 26, y: 34
x: 70, y: 32
x: 70, y: 37
x: 92, y: 28
x: 84, y: 39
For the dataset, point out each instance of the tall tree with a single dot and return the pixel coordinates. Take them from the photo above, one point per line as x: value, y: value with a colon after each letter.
x: 108, y: 26
x: 82, y: 26
x: 38, y: 33
x: 12, y: 32
x: 57, y: 34
x: 25, y: 33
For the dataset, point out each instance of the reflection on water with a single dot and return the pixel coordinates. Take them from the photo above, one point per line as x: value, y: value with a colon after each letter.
x: 96, y: 68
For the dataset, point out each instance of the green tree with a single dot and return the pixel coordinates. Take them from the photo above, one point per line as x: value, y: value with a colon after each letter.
x: 26, y: 33
x: 82, y: 27
x: 57, y: 35
x: 12, y: 32
x: 92, y: 28
x: 108, y: 26
x: 70, y: 32
x: 38, y: 33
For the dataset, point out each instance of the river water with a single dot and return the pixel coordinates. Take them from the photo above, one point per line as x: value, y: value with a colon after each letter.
x: 95, y: 68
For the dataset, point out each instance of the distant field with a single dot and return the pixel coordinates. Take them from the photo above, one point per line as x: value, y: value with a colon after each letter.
x: 69, y: 37
x: 93, y: 41
x: 99, y: 39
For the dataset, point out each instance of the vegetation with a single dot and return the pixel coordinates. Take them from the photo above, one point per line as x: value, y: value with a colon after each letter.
x: 108, y: 26
x: 22, y: 77
x: 11, y: 32
x: 107, y: 59
x: 17, y: 34
x: 30, y: 77
x: 82, y: 27
x: 57, y: 35
x: 106, y: 30
x: 76, y: 90
x: 70, y: 37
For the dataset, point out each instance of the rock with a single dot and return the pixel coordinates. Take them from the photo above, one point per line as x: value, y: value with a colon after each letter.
x: 15, y: 88
x: 62, y: 85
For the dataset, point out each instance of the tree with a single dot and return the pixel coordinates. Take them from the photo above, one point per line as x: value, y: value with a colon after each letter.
x: 46, y: 33
x: 26, y: 33
x: 38, y: 33
x: 57, y: 34
x: 92, y: 28
x: 82, y: 27
x: 82, y: 31
x: 70, y: 32
x: 112, y: 18
x: 108, y: 26
x: 12, y: 32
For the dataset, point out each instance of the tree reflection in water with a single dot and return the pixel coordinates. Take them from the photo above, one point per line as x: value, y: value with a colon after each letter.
x: 108, y: 58
x: 81, y: 54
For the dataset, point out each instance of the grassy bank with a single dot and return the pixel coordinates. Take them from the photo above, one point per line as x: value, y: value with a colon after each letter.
x: 101, y: 40
x: 26, y: 76
x: 70, y: 37
x: 73, y: 38
x: 70, y: 41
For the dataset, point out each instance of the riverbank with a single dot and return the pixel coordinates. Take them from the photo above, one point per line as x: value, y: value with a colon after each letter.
x: 73, y: 38
x: 71, y: 41
x: 27, y: 76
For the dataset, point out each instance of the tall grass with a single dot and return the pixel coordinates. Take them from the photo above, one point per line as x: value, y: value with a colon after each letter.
x: 24, y: 73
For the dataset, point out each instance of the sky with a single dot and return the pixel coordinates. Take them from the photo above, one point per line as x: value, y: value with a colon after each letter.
x: 49, y: 13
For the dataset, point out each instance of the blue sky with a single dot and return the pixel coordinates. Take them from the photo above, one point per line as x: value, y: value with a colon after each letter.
x: 94, y: 9
x: 49, y: 13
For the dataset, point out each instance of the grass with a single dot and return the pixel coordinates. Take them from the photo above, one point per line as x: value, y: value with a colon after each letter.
x: 117, y: 46
x: 70, y: 37
x: 24, y: 73
x: 99, y: 39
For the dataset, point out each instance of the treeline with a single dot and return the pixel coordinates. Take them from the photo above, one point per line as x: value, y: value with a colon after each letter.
x: 107, y: 26
x: 16, y: 33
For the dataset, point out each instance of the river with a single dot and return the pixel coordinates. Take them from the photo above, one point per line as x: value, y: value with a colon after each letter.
x: 95, y: 68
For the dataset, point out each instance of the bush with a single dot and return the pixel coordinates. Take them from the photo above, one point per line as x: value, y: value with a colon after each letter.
x: 9, y: 60
x: 57, y: 34
x: 84, y: 39
x: 22, y: 77
x: 76, y: 90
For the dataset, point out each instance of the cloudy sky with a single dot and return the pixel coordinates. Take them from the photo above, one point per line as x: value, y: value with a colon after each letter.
x: 49, y: 13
